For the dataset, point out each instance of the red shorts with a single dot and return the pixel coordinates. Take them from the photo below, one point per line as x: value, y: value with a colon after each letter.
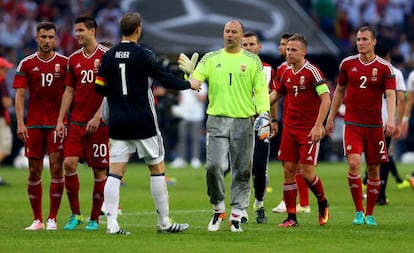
x: 41, y: 140
x: 365, y: 139
x: 296, y: 147
x: 94, y: 148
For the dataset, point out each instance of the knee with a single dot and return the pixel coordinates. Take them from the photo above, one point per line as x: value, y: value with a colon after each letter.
x: 354, y: 166
x: 69, y: 165
x: 34, y: 175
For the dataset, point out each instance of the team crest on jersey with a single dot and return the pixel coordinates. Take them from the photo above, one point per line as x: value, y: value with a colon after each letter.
x: 374, y: 74
x: 57, y: 70
x: 302, y: 80
x: 243, y: 67
x: 96, y: 63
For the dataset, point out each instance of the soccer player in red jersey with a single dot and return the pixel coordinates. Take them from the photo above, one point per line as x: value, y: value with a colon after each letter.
x: 307, y: 92
x: 41, y: 74
x: 251, y: 42
x: 303, y: 205
x: 87, y: 137
x: 365, y: 78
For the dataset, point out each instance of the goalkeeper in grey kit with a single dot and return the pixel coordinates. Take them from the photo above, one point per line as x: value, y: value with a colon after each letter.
x: 233, y: 75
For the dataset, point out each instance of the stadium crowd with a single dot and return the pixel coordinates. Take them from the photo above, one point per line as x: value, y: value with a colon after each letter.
x: 339, y: 19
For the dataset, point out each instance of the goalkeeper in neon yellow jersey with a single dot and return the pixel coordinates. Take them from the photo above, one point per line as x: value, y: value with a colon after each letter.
x: 234, y: 76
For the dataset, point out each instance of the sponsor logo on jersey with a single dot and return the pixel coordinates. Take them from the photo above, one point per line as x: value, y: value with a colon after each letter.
x: 36, y: 69
x: 354, y: 69
x: 349, y: 147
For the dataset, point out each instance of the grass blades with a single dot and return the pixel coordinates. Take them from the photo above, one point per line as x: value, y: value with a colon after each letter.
x: 189, y: 203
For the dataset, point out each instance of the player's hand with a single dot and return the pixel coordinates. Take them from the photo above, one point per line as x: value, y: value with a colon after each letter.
x: 329, y: 127
x: 274, y: 129
x: 92, y: 125
x: 317, y: 133
x: 389, y: 127
x: 60, y: 129
x: 262, y: 126
x: 195, y: 84
x: 186, y: 65
x: 22, y: 132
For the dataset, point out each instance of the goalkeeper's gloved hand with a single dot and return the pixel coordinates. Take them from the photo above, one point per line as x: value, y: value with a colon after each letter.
x: 262, y: 126
x: 187, y: 65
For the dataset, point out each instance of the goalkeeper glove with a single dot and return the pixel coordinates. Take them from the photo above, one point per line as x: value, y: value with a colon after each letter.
x: 262, y: 126
x: 186, y: 65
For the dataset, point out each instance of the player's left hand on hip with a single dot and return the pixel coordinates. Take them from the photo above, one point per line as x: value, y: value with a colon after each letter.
x: 262, y: 126
x: 186, y: 65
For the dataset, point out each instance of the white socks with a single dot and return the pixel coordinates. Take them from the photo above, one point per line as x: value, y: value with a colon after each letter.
x: 159, y: 194
x: 111, y: 203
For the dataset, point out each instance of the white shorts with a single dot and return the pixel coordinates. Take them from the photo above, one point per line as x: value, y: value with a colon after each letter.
x: 6, y: 138
x: 150, y: 149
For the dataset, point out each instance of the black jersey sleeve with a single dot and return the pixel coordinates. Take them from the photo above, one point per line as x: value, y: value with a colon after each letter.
x: 165, y: 77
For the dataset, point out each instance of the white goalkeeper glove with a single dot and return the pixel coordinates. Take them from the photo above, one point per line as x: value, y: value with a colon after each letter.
x: 262, y: 126
x: 187, y: 65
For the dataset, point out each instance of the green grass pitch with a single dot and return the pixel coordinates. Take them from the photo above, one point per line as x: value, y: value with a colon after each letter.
x: 189, y: 203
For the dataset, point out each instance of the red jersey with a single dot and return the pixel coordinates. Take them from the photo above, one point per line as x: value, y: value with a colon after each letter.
x: 279, y: 72
x: 82, y: 71
x: 299, y: 87
x: 44, y: 81
x: 366, y: 84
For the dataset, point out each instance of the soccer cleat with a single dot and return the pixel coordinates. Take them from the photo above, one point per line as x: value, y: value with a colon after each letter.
x: 369, y: 220
x: 281, y: 208
x: 178, y: 163
x: 172, y: 228
x: 244, y: 217
x: 170, y: 180
x: 51, y: 224
x: 302, y: 209
x: 323, y: 212
x: 215, y: 222
x: 382, y: 201
x: 261, y: 217
x: 359, y: 218
x: 289, y: 223
x: 235, y: 226
x: 404, y: 184
x: 36, y: 225
x: 92, y: 225
x: 195, y: 163
x: 119, y: 232
x: 412, y: 182
x: 74, y: 221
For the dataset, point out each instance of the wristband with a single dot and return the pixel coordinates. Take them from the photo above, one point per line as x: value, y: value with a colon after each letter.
x: 275, y: 120
x: 405, y: 119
